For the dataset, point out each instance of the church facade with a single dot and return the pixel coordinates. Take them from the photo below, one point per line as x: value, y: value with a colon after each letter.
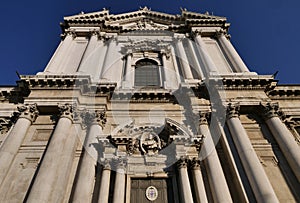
x: 147, y: 106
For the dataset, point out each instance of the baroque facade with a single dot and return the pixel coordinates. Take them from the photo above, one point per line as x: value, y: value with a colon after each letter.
x: 149, y: 107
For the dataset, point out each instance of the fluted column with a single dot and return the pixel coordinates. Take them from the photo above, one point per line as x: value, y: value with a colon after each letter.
x: 86, y: 172
x: 13, y: 141
x: 119, y: 189
x: 184, y: 61
x: 257, y: 177
x: 105, y: 182
x: 45, y: 183
x: 231, y: 53
x: 198, y: 181
x: 209, y: 64
x: 217, y: 181
x: 184, y: 183
x: 283, y: 137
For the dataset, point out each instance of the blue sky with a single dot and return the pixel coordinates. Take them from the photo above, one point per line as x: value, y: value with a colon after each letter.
x: 265, y: 32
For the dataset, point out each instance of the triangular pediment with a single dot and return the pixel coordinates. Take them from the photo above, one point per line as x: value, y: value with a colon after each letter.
x: 144, y: 19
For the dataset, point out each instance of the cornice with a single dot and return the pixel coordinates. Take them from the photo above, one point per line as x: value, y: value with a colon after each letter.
x: 265, y: 83
x: 13, y: 94
x: 83, y: 82
x: 285, y: 92
x: 117, y: 23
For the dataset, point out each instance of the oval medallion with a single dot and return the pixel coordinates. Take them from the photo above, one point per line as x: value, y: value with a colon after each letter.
x: 151, y: 193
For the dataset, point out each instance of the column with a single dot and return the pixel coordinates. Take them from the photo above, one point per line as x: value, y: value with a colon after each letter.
x: 86, y: 171
x: 217, y: 181
x: 209, y: 64
x: 105, y: 182
x: 198, y: 181
x: 196, y: 64
x: 129, y: 72
x: 257, y: 177
x: 284, y: 138
x: 119, y: 189
x: 184, y: 61
x: 184, y: 183
x: 44, y: 183
x: 231, y: 53
x: 13, y: 141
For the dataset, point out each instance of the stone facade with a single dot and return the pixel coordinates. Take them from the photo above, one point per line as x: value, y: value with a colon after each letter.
x: 149, y: 107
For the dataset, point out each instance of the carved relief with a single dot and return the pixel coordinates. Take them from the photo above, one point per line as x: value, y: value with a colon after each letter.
x: 146, y: 24
x: 138, y: 139
x: 146, y: 45
x: 150, y: 142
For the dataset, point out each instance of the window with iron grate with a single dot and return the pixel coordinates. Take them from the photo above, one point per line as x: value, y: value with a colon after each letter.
x: 146, y: 73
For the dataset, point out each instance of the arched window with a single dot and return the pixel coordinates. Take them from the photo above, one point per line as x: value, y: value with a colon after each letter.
x: 146, y: 73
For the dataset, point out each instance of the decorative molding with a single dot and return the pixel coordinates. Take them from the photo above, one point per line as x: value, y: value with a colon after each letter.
x: 248, y: 83
x: 83, y: 82
x: 146, y: 45
x: 28, y: 111
x: 144, y: 19
x: 222, y: 32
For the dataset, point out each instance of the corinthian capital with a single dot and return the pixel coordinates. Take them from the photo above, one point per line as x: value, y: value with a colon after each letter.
x: 66, y: 110
x: 195, y: 163
x: 270, y: 110
x: 233, y: 110
x: 94, y: 117
x: 182, y: 162
x: 28, y: 111
x: 196, y: 33
x: 203, y: 117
